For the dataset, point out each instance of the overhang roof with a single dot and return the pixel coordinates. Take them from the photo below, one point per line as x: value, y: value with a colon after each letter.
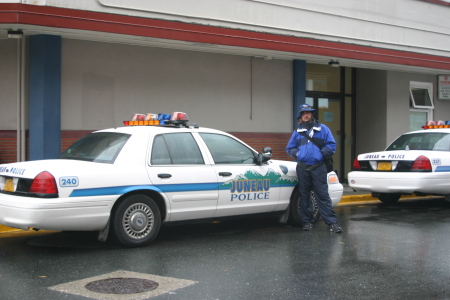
x: 104, y: 27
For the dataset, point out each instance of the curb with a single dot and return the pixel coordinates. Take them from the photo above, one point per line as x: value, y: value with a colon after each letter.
x: 357, y: 198
x: 368, y: 197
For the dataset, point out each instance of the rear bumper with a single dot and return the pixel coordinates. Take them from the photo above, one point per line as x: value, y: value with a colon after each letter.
x: 403, y: 183
x: 80, y: 214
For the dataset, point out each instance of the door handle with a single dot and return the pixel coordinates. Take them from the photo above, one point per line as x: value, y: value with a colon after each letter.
x: 164, y: 175
x: 225, y: 174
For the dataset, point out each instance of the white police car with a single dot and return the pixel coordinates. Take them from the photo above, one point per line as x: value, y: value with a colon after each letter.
x: 416, y: 162
x: 125, y: 182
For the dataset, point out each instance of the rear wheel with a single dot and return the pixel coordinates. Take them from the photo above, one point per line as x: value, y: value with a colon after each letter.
x: 294, y: 213
x: 135, y: 221
x: 388, y: 198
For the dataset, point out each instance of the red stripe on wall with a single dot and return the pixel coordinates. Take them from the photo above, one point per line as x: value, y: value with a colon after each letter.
x: 438, y: 2
x: 102, y: 22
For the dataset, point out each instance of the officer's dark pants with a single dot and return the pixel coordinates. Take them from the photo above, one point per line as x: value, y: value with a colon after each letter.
x: 315, y: 180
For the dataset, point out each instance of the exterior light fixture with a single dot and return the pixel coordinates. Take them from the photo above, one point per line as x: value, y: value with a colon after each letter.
x: 15, y: 34
x: 333, y: 63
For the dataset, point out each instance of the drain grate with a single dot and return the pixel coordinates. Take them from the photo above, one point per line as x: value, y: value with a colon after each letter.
x: 122, y: 286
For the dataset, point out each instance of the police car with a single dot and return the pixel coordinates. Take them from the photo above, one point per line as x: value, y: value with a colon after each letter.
x: 416, y: 162
x: 158, y: 169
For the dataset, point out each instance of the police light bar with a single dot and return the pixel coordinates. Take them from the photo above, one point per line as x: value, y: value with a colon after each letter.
x: 436, y: 125
x: 175, y: 118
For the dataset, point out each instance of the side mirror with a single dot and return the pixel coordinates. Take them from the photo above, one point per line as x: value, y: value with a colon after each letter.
x: 267, y: 150
x: 264, y: 156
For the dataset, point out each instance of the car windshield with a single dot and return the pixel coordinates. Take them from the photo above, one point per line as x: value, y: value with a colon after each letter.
x: 437, y: 141
x: 102, y: 147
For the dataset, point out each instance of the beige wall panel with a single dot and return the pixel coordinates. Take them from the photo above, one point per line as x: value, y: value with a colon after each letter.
x: 104, y: 84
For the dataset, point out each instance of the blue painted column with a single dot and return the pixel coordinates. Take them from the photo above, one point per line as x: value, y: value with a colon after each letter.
x: 45, y: 97
x: 299, y: 88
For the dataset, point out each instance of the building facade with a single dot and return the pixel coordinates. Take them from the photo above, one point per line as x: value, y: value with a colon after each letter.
x: 371, y: 68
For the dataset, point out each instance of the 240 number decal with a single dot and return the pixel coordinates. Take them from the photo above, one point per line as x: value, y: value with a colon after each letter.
x: 69, y: 181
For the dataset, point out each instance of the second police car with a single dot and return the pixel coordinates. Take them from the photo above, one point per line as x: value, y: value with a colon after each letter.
x: 126, y: 182
x: 417, y: 162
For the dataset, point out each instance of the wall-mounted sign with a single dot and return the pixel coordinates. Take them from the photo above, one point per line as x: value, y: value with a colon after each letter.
x: 444, y: 87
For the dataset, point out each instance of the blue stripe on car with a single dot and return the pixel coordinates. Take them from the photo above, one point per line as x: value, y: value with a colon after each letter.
x: 162, y: 188
x: 442, y: 169
x: 113, y: 190
x: 120, y: 190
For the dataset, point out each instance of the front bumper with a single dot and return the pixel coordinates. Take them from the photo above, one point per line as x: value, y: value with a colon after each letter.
x: 70, y: 214
x: 403, y: 183
x: 335, y: 191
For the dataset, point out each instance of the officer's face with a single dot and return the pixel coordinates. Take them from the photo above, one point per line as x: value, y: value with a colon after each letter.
x: 306, y: 116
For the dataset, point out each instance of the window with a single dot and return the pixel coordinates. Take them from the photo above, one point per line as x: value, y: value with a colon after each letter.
x: 226, y: 150
x: 435, y: 141
x: 101, y: 147
x: 420, y: 94
x: 175, y: 149
x: 421, y: 102
x: 417, y: 119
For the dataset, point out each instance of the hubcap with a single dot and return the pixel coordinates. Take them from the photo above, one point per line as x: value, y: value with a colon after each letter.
x: 138, y: 221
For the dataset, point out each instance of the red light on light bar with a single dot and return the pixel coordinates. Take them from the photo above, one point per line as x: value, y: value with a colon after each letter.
x: 179, y: 116
x: 138, y: 117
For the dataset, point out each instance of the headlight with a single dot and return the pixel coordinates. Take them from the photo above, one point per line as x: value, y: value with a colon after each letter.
x: 333, y: 179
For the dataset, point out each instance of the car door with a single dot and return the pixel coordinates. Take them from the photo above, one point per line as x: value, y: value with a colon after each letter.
x: 177, y: 168
x: 244, y: 186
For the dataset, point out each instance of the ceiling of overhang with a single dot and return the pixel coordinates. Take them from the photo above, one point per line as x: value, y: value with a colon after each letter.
x: 204, y: 47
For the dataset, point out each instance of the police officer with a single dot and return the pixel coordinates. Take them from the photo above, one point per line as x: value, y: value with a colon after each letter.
x: 311, y: 170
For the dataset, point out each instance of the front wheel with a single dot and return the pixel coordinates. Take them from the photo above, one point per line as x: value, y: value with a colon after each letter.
x: 135, y: 221
x: 388, y: 198
x: 294, y: 212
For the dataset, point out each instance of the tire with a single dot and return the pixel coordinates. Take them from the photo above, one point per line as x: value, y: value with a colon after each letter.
x: 388, y: 198
x: 294, y: 213
x: 135, y: 222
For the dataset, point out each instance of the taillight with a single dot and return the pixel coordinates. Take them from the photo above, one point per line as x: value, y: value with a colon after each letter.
x: 356, y: 165
x: 43, y: 183
x: 421, y: 163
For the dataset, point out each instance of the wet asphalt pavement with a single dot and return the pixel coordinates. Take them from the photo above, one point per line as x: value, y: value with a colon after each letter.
x: 398, y: 251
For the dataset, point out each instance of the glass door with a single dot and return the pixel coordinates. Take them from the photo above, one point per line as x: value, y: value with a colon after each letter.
x: 330, y: 111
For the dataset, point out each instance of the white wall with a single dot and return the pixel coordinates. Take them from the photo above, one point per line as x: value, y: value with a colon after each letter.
x: 398, y: 101
x: 371, y: 110
x: 383, y: 104
x: 8, y: 84
x: 416, y: 26
x: 104, y: 84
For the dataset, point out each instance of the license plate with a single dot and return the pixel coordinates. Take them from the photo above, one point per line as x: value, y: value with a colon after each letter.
x: 9, y: 185
x: 384, y: 166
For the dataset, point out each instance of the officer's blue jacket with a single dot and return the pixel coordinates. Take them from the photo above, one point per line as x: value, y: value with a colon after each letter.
x: 305, y: 151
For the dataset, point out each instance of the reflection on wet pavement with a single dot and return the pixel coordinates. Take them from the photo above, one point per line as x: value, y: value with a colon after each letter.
x: 396, y: 251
